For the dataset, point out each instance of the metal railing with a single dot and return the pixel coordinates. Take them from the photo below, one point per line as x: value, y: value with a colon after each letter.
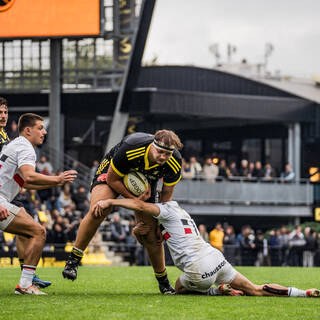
x: 241, y: 190
x: 66, y: 162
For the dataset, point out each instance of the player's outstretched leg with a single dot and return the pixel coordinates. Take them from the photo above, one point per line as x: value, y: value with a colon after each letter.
x: 242, y: 283
x: 35, y: 236
x: 145, y: 232
x: 36, y: 281
x: 87, y: 230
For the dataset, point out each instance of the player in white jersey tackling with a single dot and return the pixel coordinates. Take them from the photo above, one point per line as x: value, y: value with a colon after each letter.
x: 202, y: 265
x: 17, y: 170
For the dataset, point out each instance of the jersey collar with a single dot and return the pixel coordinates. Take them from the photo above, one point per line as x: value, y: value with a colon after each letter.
x: 3, y: 133
x: 146, y: 160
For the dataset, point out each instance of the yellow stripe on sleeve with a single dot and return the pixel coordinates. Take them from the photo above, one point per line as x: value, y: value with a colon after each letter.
x: 172, y: 167
x: 136, y: 156
x: 175, y: 161
x: 135, y: 150
x: 116, y: 170
x: 171, y: 183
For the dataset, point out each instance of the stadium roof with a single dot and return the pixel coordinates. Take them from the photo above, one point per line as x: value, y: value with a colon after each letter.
x: 303, y: 89
x: 179, y: 92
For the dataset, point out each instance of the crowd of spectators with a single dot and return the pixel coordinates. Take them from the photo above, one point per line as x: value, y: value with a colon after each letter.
x: 278, y: 247
x: 213, y: 170
x: 61, y: 210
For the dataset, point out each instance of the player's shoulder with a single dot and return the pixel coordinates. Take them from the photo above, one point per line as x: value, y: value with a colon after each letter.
x: 169, y: 208
x: 138, y: 138
x: 175, y: 162
x: 20, y: 144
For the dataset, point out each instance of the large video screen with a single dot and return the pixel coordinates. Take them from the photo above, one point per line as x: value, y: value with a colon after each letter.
x: 49, y: 18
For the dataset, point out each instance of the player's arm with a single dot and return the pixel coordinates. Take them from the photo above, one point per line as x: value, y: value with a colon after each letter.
x: 115, y: 182
x: 31, y: 177
x: 171, y: 178
x: 131, y: 204
x: 166, y: 193
x: 31, y: 186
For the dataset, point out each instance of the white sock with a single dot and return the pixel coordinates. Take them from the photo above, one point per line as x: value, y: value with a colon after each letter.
x: 26, y: 276
x: 294, y: 292
x: 214, y: 291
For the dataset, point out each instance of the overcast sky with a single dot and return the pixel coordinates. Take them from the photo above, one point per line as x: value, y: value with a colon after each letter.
x: 182, y: 31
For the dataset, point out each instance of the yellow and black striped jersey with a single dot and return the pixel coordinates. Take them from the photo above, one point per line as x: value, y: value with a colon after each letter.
x: 132, y: 154
x: 4, y: 139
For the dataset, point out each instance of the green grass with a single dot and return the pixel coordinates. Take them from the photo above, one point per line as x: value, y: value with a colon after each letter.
x: 132, y: 293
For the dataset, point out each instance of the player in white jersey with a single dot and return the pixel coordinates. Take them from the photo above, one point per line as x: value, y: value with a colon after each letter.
x: 202, y: 264
x: 17, y: 170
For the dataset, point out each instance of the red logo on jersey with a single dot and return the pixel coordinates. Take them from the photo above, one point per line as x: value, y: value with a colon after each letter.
x: 102, y: 177
x: 166, y: 236
x: 187, y: 230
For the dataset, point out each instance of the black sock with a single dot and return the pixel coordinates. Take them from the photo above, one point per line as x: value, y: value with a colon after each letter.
x: 162, y: 276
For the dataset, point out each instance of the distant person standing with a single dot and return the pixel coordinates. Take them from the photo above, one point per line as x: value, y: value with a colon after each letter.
x: 195, y: 166
x: 216, y: 236
x: 209, y: 170
x: 44, y: 166
x: 309, y: 248
x: 287, y: 175
x: 229, y: 244
x: 203, y: 232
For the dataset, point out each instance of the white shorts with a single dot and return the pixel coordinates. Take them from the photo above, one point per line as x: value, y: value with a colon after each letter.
x: 13, y: 211
x: 211, y: 269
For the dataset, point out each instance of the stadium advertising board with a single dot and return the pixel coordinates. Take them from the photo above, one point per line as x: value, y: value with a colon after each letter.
x: 50, y: 18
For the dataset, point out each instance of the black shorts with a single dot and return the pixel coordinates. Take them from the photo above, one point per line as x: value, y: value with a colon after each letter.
x: 100, y: 177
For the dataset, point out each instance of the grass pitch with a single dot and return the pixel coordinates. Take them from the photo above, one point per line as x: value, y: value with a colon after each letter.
x: 132, y: 293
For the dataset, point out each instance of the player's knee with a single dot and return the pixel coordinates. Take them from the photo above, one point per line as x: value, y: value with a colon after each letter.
x: 142, y: 233
x: 40, y: 232
x: 103, y: 215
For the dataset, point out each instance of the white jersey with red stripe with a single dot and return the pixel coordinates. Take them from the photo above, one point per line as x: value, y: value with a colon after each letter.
x: 17, y: 153
x: 181, y: 235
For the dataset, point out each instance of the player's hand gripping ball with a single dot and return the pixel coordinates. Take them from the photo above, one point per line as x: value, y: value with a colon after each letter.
x: 136, y: 183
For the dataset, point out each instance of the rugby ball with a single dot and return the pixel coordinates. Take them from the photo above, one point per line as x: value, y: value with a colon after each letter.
x: 136, y: 183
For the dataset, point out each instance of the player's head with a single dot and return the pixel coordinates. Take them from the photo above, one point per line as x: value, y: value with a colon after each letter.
x: 3, y: 112
x: 31, y: 126
x: 163, y: 146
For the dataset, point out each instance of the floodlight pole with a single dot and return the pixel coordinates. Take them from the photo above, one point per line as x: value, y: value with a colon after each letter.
x: 54, y: 135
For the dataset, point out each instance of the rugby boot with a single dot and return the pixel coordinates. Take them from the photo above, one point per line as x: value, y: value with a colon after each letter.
x: 30, y: 290
x: 71, y: 269
x: 36, y: 281
x: 227, y: 290
x: 165, y: 287
x: 313, y: 293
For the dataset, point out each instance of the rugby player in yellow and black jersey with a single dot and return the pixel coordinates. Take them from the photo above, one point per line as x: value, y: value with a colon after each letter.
x: 4, y: 139
x: 133, y: 153
x: 156, y: 156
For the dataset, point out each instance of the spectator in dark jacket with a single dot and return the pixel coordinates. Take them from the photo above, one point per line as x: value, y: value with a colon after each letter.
x: 274, y: 245
x: 309, y: 248
x: 81, y: 200
x: 229, y: 244
x: 118, y: 232
x: 248, y: 246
